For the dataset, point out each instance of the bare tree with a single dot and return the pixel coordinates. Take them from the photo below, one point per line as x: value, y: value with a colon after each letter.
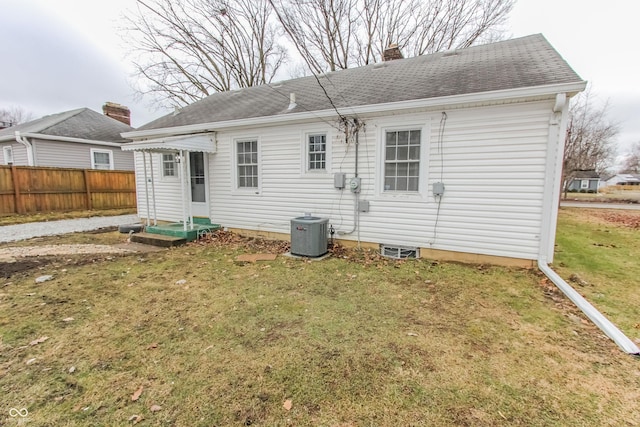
x: 186, y: 50
x: 12, y: 116
x: 338, y: 34
x: 590, y: 137
x: 632, y: 160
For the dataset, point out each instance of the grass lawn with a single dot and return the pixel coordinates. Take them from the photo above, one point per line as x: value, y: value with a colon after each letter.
x: 200, y: 340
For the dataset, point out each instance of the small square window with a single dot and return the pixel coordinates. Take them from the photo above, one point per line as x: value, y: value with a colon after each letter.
x: 101, y: 159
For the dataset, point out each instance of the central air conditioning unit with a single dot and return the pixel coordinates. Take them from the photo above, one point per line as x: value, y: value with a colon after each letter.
x: 309, y: 236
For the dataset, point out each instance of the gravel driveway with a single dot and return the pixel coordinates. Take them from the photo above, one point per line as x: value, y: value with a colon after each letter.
x: 12, y: 233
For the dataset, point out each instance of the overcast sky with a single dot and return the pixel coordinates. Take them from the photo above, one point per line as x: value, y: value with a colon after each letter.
x: 58, y: 55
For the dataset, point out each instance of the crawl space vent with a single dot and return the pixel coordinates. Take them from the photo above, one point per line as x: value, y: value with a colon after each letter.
x: 398, y: 252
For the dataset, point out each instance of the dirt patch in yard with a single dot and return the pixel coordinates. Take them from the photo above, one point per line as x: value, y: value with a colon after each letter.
x: 21, y: 259
x: 49, y: 262
x: 630, y: 219
x: 621, y: 218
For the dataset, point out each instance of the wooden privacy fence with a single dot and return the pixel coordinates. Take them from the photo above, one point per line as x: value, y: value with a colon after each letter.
x: 26, y: 189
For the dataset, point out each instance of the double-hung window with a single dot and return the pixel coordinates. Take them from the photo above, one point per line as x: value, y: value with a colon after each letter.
x: 169, y: 168
x: 101, y: 159
x: 402, y: 160
x: 247, y: 163
x: 317, y: 151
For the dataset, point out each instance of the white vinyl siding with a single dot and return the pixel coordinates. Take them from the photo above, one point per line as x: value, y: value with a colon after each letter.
x: 168, y: 192
x: 76, y: 155
x: 492, y: 161
x: 18, y: 154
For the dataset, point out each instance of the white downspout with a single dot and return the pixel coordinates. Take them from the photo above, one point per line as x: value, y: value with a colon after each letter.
x: 591, y: 312
x: 551, y: 201
x: 24, y: 141
x: 153, y: 190
x: 189, y: 187
x: 146, y: 186
x: 182, y: 178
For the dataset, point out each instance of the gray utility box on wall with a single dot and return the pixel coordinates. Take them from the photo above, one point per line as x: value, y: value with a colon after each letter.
x: 309, y: 236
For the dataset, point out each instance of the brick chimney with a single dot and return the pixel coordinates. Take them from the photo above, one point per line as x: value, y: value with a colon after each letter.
x: 391, y: 53
x: 118, y: 112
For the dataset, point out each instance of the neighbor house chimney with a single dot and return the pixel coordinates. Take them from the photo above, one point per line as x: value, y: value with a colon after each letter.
x: 118, y: 112
x: 391, y: 53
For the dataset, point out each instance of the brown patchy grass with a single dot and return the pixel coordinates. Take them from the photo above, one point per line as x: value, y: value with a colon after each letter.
x: 353, y: 340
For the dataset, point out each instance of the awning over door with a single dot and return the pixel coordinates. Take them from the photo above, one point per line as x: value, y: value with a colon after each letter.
x: 204, y: 143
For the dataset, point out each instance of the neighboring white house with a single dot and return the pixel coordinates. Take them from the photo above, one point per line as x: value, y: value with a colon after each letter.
x: 623, y: 179
x: 80, y: 138
x: 457, y: 154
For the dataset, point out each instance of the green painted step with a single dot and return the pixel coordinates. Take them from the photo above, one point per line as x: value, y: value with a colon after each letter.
x: 177, y: 230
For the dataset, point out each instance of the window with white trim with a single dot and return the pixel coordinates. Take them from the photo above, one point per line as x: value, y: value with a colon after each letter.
x: 402, y: 160
x: 317, y: 152
x: 7, y: 152
x: 584, y: 183
x: 169, y: 166
x: 247, y: 163
x: 101, y: 159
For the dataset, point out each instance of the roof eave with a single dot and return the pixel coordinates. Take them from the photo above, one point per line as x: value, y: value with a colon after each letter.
x: 493, y: 96
x: 70, y: 139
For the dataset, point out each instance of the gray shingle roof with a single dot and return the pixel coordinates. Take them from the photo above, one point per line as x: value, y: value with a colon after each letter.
x: 517, y: 63
x: 586, y: 174
x: 82, y: 123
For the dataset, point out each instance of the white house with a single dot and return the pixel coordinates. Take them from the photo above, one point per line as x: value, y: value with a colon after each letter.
x: 457, y: 155
x: 623, y: 179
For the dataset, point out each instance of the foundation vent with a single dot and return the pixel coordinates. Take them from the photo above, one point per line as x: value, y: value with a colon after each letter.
x: 399, y: 252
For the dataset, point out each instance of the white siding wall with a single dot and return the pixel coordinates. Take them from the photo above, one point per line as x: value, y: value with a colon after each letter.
x: 168, y: 191
x: 76, y: 155
x: 19, y: 154
x: 493, y: 169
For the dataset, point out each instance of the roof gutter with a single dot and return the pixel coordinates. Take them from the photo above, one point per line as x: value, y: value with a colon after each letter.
x: 555, y: 153
x: 24, y: 141
x: 70, y: 139
x: 520, y: 93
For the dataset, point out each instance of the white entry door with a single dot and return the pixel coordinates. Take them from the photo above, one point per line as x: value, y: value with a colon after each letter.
x: 199, y: 184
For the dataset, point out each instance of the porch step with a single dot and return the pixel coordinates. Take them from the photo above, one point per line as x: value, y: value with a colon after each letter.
x: 158, y: 240
x: 176, y: 229
x: 202, y: 220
